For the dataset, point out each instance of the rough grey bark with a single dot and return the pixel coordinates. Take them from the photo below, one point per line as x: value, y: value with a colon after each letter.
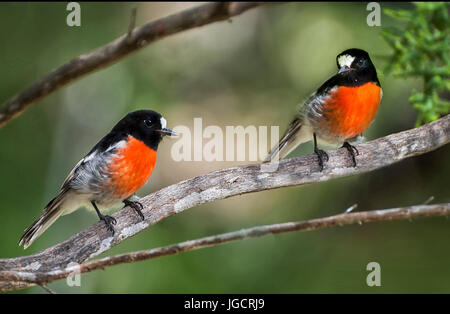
x: 226, y: 183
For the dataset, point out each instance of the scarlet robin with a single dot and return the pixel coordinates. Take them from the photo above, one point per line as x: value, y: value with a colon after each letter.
x: 116, y: 167
x: 339, y: 111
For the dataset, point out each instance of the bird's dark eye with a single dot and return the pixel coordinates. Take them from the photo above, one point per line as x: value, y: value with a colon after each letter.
x: 148, y: 123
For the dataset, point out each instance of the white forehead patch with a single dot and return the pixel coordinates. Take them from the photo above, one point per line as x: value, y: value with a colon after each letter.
x: 345, y: 60
x: 163, y: 123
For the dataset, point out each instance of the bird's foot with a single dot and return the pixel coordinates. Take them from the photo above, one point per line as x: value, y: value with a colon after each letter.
x: 352, y: 150
x: 138, y: 207
x: 322, y: 156
x: 109, y: 222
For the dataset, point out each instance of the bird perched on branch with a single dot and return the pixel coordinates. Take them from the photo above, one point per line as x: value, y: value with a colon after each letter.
x: 116, y: 167
x: 339, y: 111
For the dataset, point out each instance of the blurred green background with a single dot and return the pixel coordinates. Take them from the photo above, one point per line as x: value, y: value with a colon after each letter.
x: 252, y: 71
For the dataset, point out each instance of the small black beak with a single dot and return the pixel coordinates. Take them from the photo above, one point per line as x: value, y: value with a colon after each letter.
x: 344, y: 69
x: 168, y: 132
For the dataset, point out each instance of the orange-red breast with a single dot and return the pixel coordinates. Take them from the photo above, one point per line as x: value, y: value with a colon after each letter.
x: 339, y: 111
x: 110, y: 173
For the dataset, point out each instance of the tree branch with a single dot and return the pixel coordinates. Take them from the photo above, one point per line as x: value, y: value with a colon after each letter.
x: 226, y: 183
x: 254, y: 232
x: 128, y: 43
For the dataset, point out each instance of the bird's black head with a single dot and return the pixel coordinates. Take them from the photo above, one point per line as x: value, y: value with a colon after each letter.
x: 355, y: 65
x: 145, y: 125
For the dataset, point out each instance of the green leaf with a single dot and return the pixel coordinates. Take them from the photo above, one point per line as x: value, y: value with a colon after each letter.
x: 422, y: 49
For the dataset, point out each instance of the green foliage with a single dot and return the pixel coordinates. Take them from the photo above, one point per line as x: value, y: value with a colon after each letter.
x: 421, y: 50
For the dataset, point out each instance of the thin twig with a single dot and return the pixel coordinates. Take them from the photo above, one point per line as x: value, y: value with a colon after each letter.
x: 351, y: 208
x: 254, y: 232
x: 47, y: 289
x: 132, y: 23
x: 226, y: 183
x: 429, y: 200
x: 117, y: 49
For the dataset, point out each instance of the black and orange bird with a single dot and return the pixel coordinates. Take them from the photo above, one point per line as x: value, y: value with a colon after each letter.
x: 339, y: 111
x: 116, y: 167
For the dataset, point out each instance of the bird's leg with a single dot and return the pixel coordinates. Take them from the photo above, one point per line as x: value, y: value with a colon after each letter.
x: 321, y: 154
x: 138, y: 207
x: 109, y: 221
x: 352, y: 150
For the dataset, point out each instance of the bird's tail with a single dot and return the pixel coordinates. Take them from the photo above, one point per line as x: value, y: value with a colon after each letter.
x: 52, y: 211
x: 295, y: 135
